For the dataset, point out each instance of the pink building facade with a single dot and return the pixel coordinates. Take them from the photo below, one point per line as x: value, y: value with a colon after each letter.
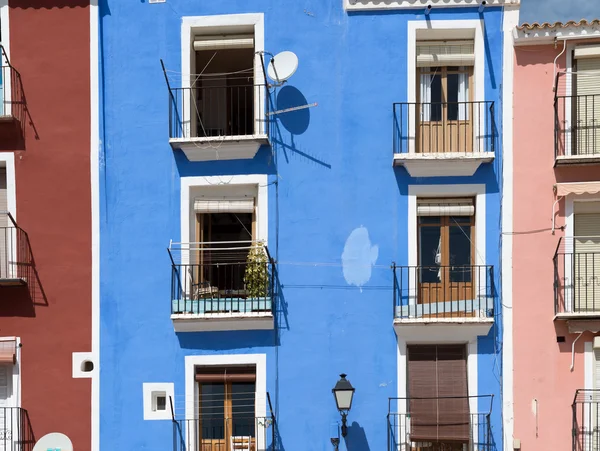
x: 555, y: 244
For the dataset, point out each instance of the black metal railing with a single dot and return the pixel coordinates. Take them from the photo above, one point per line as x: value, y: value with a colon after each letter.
x: 221, y: 277
x: 577, y: 275
x: 446, y: 426
x: 16, y: 433
x: 217, y: 432
x: 576, y: 114
x: 432, y: 128
x: 586, y: 420
x: 438, y: 292
x: 218, y: 111
x: 11, y: 89
x: 16, y: 260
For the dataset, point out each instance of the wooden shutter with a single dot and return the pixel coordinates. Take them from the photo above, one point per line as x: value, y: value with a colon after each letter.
x: 437, y: 386
x: 587, y: 108
x: 586, y: 258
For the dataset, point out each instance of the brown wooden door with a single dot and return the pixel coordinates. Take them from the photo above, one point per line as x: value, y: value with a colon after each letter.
x: 446, y: 253
x: 444, y: 111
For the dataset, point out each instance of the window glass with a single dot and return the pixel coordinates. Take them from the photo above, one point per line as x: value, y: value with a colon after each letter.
x: 430, y: 240
x: 212, y: 410
x: 242, y: 408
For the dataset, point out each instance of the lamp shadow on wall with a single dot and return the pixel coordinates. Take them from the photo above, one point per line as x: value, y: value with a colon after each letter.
x: 356, y: 440
x: 293, y: 122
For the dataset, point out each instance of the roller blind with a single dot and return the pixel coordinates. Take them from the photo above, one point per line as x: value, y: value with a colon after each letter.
x: 445, y: 53
x: 8, y: 351
x: 437, y: 385
x: 587, y: 51
x: 445, y: 207
x: 238, y: 41
x: 224, y: 205
x: 226, y: 374
x: 586, y: 260
x: 587, y: 124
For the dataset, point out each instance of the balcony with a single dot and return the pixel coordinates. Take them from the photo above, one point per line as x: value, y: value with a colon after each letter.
x: 577, y: 279
x: 218, y: 122
x: 586, y: 420
x: 458, y: 300
x: 222, y: 286
x: 444, y: 139
x: 437, y: 424
x: 16, y: 433
x: 16, y: 261
x: 12, y: 106
x: 222, y: 431
x: 577, y: 119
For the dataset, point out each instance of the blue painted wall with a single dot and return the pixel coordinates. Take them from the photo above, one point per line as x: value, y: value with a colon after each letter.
x: 327, y: 179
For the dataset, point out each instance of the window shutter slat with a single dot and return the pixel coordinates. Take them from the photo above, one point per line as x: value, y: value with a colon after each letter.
x: 449, y: 53
x: 224, y: 205
x: 445, y: 207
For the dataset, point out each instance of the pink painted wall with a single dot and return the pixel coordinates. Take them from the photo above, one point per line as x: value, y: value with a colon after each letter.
x: 541, y: 365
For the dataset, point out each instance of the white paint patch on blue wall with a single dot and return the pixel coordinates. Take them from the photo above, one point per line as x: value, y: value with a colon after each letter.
x: 358, y: 257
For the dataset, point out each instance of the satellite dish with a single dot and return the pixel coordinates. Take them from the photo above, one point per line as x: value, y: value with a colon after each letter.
x: 282, y: 66
x: 54, y: 440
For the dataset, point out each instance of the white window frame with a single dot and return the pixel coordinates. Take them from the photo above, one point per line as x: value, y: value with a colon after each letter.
x: 15, y: 388
x: 191, y: 387
x: 253, y: 181
x: 7, y: 160
x: 190, y: 26
x: 432, y: 338
x: 478, y: 69
x: 570, y: 201
x: 4, y: 40
x: 440, y: 191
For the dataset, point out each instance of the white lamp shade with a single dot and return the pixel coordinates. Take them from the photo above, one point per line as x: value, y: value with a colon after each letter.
x: 343, y: 399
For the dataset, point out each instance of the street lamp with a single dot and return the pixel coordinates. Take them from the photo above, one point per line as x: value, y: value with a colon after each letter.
x: 343, y: 393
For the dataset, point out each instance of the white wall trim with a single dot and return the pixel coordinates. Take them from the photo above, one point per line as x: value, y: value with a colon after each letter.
x: 7, y: 160
x: 477, y: 190
x: 78, y: 360
x: 192, y: 24
x: 262, y: 201
x: 588, y: 364
x: 95, y: 213
x: 479, y: 69
x: 511, y: 20
x: 148, y: 390
x: 371, y: 5
x: 191, y: 388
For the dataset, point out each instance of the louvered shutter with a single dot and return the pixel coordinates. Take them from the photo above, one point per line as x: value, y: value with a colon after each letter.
x: 224, y: 205
x: 244, y: 41
x: 445, y: 207
x: 445, y: 53
x: 438, y: 373
x: 587, y: 108
x: 586, y: 259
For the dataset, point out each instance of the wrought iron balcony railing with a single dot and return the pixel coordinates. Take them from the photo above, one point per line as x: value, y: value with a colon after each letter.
x: 577, y: 276
x: 577, y: 116
x: 218, y: 112
x: 16, y: 433
x: 12, y: 102
x: 449, y: 127
x: 219, y: 431
x: 16, y: 261
x: 446, y: 425
x: 221, y: 278
x: 443, y: 292
x: 586, y: 420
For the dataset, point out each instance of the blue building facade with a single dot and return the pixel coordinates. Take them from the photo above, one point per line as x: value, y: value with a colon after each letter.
x: 249, y: 254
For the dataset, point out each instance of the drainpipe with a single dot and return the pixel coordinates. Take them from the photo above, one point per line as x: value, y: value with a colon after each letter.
x: 573, y: 351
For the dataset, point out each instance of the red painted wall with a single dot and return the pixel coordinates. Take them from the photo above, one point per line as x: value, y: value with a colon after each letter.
x: 50, y: 47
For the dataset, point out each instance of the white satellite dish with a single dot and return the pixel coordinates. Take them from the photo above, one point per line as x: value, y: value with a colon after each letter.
x: 282, y: 66
x: 54, y: 441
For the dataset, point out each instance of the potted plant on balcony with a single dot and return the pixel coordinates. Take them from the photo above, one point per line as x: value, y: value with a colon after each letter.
x: 256, y: 277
